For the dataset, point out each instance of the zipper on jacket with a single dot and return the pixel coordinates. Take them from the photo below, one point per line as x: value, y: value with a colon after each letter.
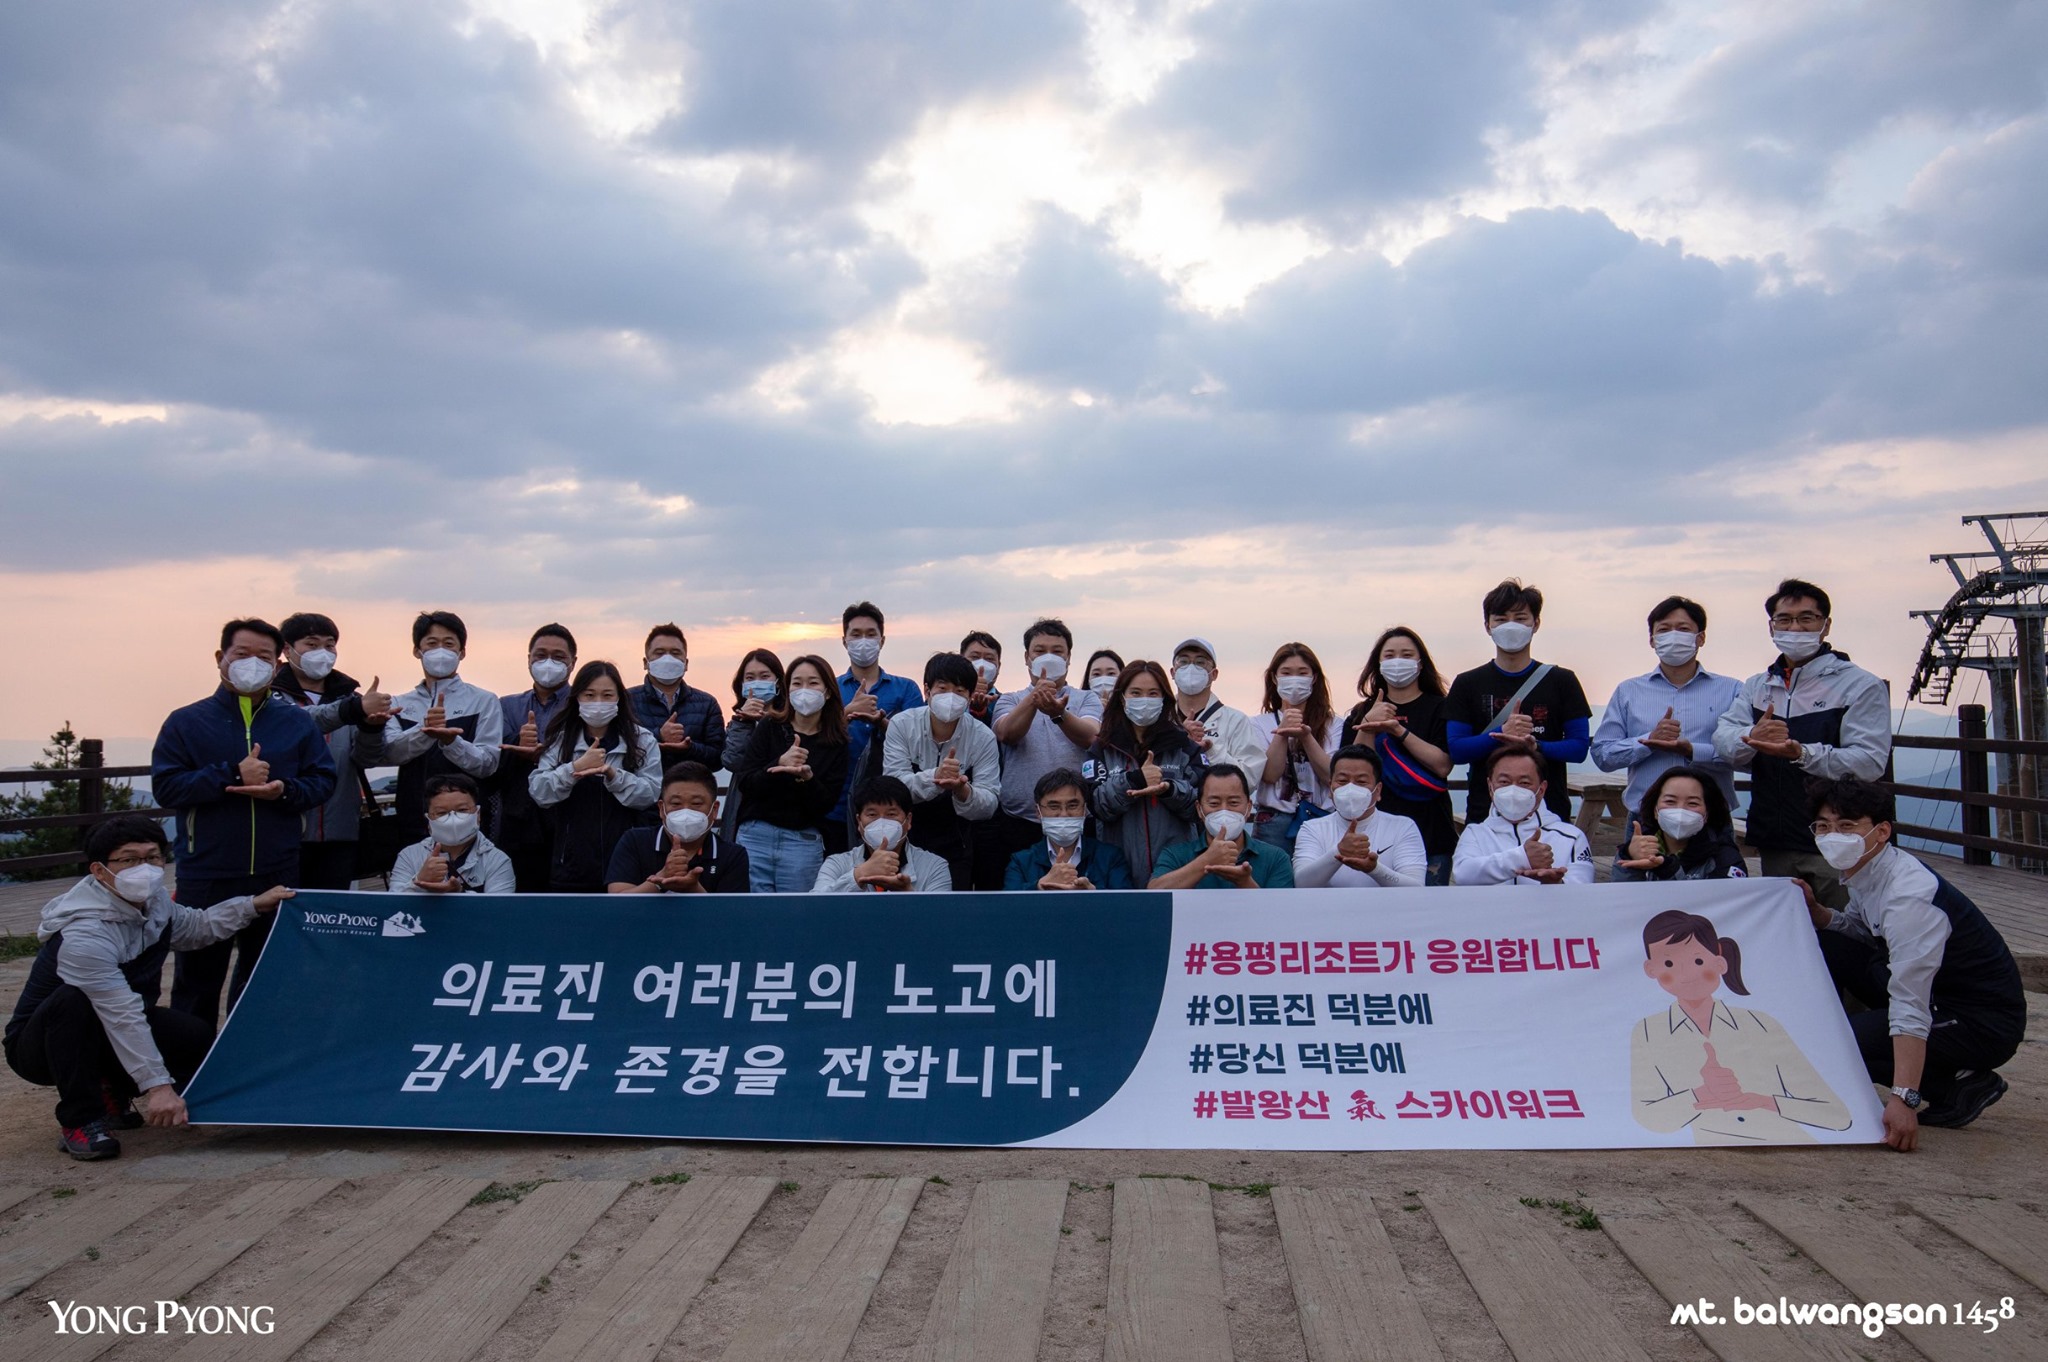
x: 249, y: 745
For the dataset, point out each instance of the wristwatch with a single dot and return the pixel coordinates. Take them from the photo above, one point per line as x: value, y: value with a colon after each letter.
x: 1910, y: 1096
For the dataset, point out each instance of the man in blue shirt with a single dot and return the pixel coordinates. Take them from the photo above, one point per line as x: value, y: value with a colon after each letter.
x: 870, y: 695
x: 1667, y: 718
x: 1516, y: 701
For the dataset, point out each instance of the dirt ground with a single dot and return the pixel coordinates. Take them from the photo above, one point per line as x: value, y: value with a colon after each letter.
x: 2001, y: 1156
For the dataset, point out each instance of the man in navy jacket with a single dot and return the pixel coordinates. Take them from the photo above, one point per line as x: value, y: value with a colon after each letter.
x: 240, y: 767
x: 1063, y: 858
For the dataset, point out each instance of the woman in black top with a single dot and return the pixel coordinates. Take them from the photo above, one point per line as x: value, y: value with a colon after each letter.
x: 789, y: 779
x: 1401, y: 715
x: 1682, y: 832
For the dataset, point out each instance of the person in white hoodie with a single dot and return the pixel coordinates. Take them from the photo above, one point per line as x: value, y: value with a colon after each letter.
x: 82, y: 1024
x: 1520, y: 842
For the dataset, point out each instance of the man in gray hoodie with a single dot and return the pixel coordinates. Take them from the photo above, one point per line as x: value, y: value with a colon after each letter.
x: 82, y: 1024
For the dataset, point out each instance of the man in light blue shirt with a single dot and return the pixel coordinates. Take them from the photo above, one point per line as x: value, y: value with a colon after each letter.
x: 1667, y: 718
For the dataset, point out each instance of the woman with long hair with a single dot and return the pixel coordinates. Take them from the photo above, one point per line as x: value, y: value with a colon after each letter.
x: 1105, y: 665
x: 756, y: 684
x: 1683, y: 831
x: 1143, y: 772
x: 1301, y: 731
x: 598, y: 775
x: 1400, y: 713
x: 791, y: 775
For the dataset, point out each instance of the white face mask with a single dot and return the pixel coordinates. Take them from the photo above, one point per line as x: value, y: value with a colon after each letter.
x: 548, y: 673
x: 1680, y: 824
x: 599, y: 712
x: 1049, y: 666
x: 1351, y: 801
x: 1062, y: 832
x: 1514, y: 802
x: 882, y: 833
x: 453, y: 829
x: 1294, y: 689
x: 1144, y: 709
x: 316, y: 663
x: 1797, y: 647
x: 1104, y: 686
x: 806, y: 701
x: 947, y: 706
x: 1400, y: 671
x: 440, y: 663
x: 863, y: 652
x: 1224, y: 823
x: 986, y: 668
x: 1511, y: 636
x: 250, y: 675
x: 687, y: 825
x: 138, y: 883
x: 1191, y: 678
x: 1841, y: 849
x: 1675, y: 647
x: 668, y: 670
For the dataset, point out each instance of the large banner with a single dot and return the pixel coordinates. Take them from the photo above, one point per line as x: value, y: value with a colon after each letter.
x: 1555, y: 1017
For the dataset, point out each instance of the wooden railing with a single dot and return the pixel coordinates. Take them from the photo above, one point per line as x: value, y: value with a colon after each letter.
x: 92, y: 774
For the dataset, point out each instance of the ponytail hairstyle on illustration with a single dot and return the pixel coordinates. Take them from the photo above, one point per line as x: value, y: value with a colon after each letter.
x: 1674, y: 927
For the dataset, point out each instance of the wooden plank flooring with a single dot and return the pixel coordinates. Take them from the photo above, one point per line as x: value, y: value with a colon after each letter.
x: 640, y: 1300
x: 809, y: 1311
x: 1687, y: 1261
x: 1999, y: 1230
x: 1542, y: 1306
x: 180, y: 1263
x: 348, y: 1261
x: 1354, y: 1298
x: 990, y: 1305
x: 1014, y: 1286
x: 1877, y: 1264
x: 1165, y: 1275
x: 31, y: 1249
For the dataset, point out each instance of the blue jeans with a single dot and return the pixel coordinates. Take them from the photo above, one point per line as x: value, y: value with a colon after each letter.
x: 781, y: 860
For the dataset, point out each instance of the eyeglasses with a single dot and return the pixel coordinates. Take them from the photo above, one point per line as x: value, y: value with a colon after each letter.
x: 1809, y: 620
x: 1822, y: 827
x: 125, y: 862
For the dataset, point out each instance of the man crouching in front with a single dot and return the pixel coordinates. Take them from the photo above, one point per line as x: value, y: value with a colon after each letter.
x: 87, y: 1023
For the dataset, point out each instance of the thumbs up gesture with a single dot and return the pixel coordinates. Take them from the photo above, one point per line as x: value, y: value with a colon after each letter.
x: 1771, y: 737
x: 1539, y: 854
x: 433, y: 876
x: 529, y: 737
x: 1668, y: 736
x: 435, y: 723
x: 1720, y: 1088
x: 376, y: 704
x: 1517, y: 728
x: 253, y: 769
x: 864, y: 705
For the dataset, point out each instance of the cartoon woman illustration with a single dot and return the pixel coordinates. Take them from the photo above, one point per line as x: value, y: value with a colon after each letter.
x: 1733, y: 1075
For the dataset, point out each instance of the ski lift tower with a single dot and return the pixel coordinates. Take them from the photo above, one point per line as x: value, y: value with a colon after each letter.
x: 1994, y: 624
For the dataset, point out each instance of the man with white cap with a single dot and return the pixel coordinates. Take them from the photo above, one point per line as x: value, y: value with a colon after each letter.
x: 1224, y: 736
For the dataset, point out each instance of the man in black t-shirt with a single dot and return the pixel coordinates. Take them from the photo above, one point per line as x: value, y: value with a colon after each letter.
x: 1488, y: 707
x: 683, y: 855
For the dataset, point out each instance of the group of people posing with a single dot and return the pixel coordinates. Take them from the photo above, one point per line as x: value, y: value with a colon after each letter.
x: 1088, y: 773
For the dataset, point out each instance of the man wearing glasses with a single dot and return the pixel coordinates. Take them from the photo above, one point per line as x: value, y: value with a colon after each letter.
x: 82, y: 1024
x: 1812, y: 715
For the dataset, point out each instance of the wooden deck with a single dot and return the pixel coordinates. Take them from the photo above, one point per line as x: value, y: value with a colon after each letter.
x: 432, y: 1271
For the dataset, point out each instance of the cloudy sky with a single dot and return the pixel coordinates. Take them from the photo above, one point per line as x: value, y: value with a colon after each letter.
x: 1263, y: 319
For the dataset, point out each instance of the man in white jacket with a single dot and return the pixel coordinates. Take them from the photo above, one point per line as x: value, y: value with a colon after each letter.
x: 1520, y: 842
x: 84, y: 1023
x: 884, y: 862
x: 948, y: 761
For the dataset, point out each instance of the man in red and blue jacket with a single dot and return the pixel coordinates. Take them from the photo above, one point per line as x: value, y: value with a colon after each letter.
x: 240, y: 768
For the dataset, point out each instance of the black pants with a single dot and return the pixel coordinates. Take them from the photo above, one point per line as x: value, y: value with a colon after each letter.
x: 198, y: 975
x: 63, y: 1045
x: 996, y: 840
x: 1960, y: 1038
x: 326, y: 865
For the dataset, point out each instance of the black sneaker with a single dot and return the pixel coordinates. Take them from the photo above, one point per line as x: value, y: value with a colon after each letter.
x: 120, y: 1115
x: 87, y: 1142
x: 1967, y: 1103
